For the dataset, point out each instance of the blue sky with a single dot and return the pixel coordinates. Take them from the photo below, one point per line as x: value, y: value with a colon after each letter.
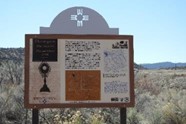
x: 158, y: 26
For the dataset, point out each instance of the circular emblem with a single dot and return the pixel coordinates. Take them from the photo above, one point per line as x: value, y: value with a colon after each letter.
x: 44, y: 68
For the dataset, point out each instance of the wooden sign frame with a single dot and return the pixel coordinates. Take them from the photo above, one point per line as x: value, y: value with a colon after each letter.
x: 43, y: 69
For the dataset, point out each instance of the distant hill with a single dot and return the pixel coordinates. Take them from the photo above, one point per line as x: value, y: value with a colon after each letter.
x: 12, y: 54
x: 165, y: 65
x: 136, y: 66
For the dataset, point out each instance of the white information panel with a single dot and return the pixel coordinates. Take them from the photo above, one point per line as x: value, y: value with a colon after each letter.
x: 79, y: 71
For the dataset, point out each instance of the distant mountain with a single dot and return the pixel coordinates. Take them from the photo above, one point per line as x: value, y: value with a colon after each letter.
x: 136, y: 66
x: 12, y: 54
x: 163, y: 65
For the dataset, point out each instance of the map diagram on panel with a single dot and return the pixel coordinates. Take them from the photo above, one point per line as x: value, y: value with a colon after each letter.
x: 114, y: 61
x: 83, y: 85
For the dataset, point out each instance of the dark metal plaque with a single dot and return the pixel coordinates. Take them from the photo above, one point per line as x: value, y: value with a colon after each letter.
x: 44, y: 50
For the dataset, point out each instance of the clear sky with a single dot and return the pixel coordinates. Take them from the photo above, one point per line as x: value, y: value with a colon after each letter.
x: 158, y: 26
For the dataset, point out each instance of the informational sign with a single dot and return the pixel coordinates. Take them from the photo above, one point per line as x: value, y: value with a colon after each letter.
x: 78, y: 71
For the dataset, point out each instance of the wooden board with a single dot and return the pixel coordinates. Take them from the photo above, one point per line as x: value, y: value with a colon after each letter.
x: 85, y: 71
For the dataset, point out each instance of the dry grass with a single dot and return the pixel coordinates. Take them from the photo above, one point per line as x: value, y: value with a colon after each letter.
x: 160, y: 99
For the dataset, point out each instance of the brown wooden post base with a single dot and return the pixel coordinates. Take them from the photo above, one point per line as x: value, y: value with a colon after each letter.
x: 35, y: 116
x: 123, y: 115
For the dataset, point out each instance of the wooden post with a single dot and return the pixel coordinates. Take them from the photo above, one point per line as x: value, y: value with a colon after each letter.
x: 123, y: 116
x: 26, y: 117
x: 35, y: 116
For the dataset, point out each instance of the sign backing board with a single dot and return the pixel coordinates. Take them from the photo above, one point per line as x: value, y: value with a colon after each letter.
x: 78, y: 71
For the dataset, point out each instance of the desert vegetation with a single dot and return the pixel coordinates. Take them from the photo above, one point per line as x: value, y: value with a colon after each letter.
x: 160, y: 98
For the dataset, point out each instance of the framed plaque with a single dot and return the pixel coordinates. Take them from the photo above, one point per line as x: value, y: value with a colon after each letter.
x: 78, y: 71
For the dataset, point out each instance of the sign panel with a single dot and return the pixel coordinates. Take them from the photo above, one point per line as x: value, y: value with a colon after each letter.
x: 79, y: 71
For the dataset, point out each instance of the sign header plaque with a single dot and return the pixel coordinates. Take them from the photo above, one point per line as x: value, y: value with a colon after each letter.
x: 44, y: 49
x: 78, y: 71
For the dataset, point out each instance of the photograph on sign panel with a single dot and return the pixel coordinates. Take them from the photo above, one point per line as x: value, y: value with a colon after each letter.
x: 82, y: 85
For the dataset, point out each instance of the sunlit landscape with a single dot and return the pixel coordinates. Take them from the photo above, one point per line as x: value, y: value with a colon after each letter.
x: 160, y: 97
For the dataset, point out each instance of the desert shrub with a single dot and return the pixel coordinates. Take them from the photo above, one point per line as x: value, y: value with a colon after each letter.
x: 160, y: 99
x: 79, y: 116
x: 166, y: 106
x: 11, y: 107
x: 172, y: 114
x: 11, y: 72
x: 133, y: 117
x: 156, y: 117
x: 174, y: 110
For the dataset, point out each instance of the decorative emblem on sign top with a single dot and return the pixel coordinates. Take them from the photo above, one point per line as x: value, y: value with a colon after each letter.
x: 79, y: 17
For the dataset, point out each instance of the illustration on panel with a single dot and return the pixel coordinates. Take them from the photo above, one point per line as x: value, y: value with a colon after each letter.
x: 83, y: 85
